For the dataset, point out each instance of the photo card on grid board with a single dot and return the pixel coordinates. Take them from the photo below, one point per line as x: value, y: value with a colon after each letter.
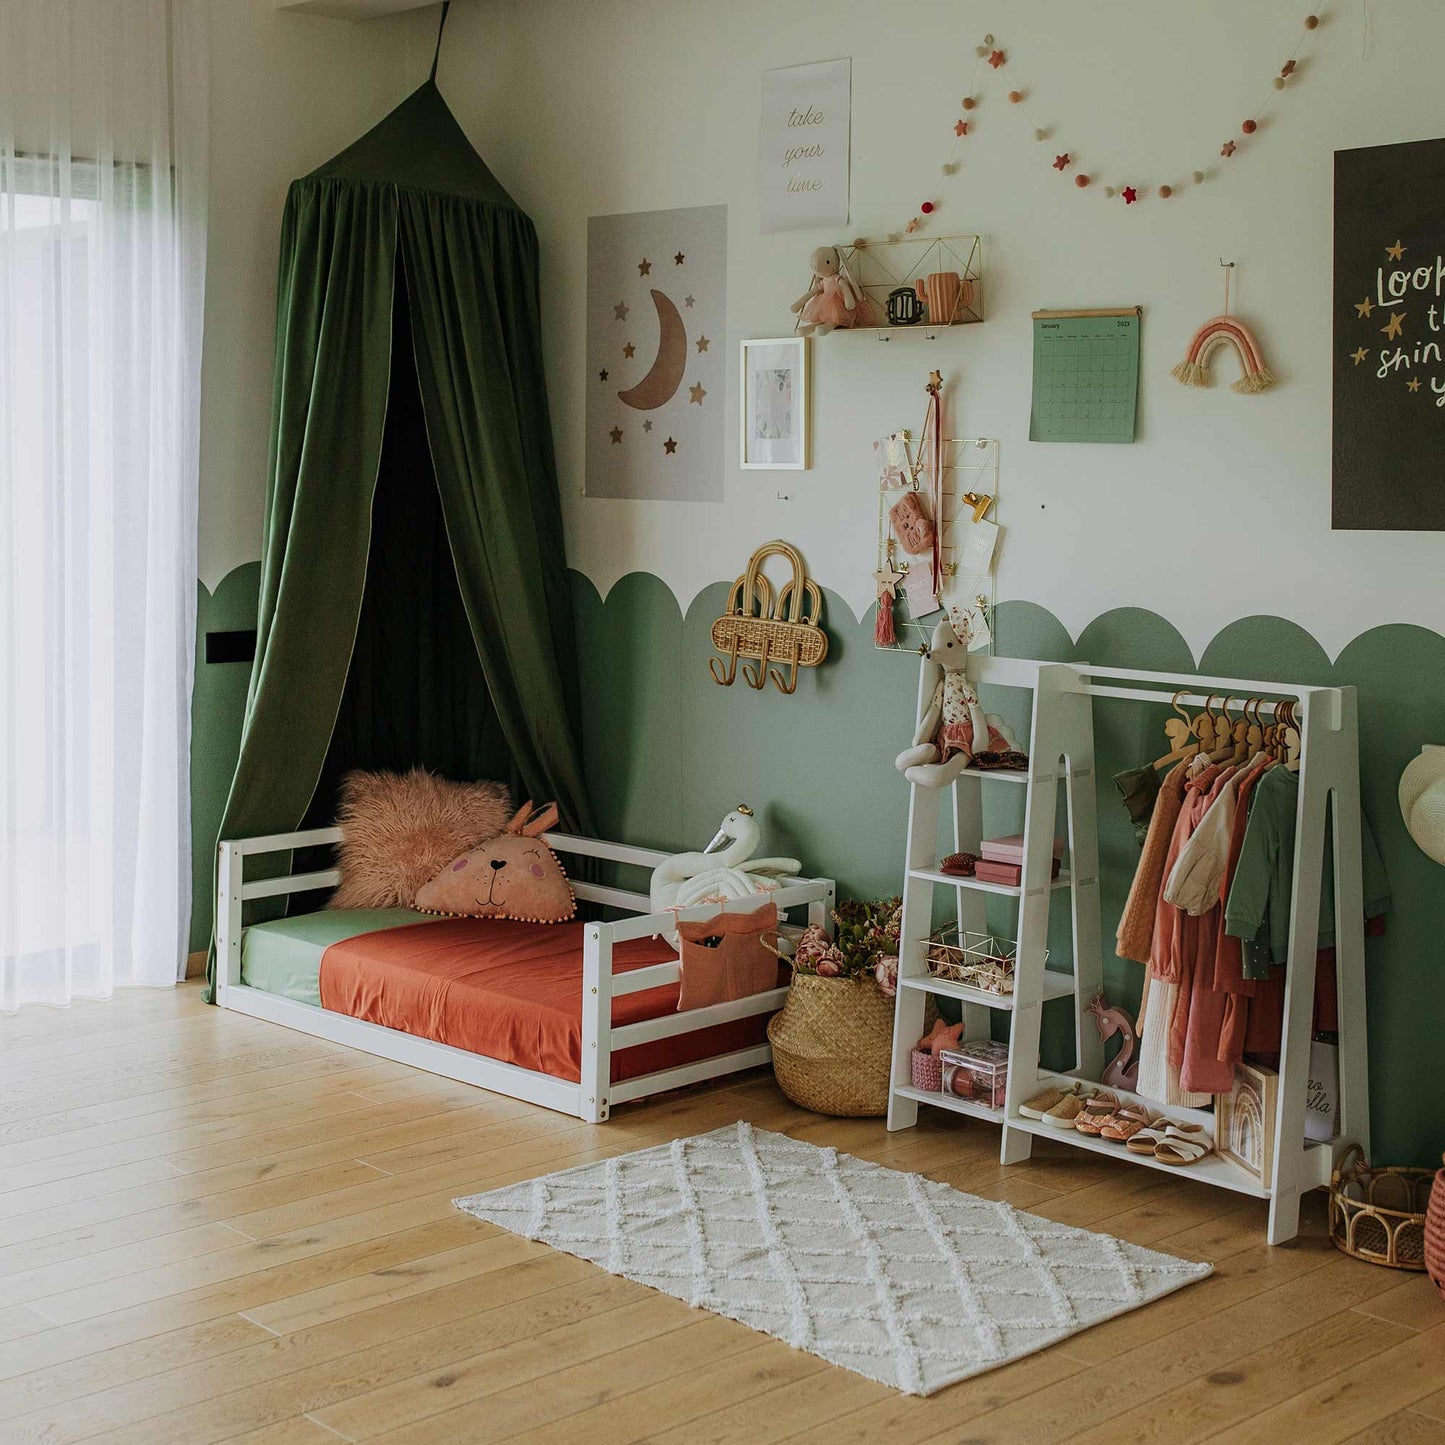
x: 656, y: 341
x: 1389, y: 338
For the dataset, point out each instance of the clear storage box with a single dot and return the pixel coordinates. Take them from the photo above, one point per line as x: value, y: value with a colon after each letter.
x: 978, y: 1070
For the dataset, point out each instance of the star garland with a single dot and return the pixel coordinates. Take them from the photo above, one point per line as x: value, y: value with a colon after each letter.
x: 996, y: 59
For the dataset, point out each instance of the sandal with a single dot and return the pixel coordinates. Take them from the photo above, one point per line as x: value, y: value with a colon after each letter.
x: 1145, y: 1141
x: 1065, y: 1112
x: 1096, y: 1112
x: 1125, y: 1123
x: 1039, y: 1106
x: 1183, y: 1144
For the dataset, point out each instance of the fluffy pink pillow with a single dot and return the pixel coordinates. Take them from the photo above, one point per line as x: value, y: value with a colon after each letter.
x: 515, y: 876
x: 398, y: 829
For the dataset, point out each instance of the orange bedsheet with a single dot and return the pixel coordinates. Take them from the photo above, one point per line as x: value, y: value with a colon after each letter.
x: 510, y: 991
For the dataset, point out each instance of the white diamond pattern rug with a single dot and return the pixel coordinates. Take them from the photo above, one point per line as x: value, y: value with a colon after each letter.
x: 899, y: 1278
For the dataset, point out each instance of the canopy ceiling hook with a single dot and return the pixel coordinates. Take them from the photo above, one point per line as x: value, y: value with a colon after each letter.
x: 446, y: 6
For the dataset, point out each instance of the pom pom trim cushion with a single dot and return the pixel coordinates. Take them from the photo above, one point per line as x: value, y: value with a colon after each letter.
x: 514, y: 876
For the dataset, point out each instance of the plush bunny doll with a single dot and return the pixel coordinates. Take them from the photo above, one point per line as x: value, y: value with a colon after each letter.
x: 831, y: 299
x: 954, y: 725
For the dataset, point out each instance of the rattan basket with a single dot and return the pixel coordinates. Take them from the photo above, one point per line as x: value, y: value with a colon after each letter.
x: 1378, y: 1215
x: 833, y: 1045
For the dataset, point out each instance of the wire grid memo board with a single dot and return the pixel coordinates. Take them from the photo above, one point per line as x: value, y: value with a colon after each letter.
x: 970, y: 465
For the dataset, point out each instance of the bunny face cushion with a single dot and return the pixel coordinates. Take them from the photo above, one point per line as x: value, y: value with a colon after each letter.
x: 515, y: 876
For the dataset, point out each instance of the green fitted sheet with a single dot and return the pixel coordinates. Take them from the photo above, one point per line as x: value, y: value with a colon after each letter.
x: 284, y: 957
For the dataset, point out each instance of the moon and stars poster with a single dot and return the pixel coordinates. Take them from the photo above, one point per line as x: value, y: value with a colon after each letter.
x: 656, y: 344
x: 1389, y: 338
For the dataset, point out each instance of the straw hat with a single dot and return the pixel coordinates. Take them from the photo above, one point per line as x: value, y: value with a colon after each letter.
x: 1422, y: 800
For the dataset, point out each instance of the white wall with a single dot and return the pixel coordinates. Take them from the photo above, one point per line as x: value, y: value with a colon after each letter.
x: 287, y: 92
x: 1221, y: 509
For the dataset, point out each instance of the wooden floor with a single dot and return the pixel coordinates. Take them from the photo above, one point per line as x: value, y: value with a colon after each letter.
x: 214, y: 1229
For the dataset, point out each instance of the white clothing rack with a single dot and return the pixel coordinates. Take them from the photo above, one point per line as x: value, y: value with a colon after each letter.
x: 1061, y: 749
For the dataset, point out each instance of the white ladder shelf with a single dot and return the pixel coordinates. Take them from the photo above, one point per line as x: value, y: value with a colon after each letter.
x: 1061, y: 750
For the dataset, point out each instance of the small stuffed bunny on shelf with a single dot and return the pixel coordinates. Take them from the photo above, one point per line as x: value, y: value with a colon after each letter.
x: 832, y: 299
x: 954, y: 725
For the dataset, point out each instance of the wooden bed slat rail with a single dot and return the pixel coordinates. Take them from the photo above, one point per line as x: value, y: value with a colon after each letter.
x: 293, y: 883
x: 638, y: 980
x: 670, y: 1025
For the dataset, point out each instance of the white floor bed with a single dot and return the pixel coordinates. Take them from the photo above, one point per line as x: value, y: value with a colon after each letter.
x: 590, y: 1099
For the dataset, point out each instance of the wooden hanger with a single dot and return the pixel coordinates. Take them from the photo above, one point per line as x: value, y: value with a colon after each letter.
x: 1254, y: 737
x: 1274, y: 734
x: 1241, y: 733
x: 1204, y: 725
x: 1291, y: 741
x: 1178, y: 730
x: 1223, y: 735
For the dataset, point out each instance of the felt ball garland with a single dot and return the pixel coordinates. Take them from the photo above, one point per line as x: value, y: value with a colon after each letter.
x: 989, y: 54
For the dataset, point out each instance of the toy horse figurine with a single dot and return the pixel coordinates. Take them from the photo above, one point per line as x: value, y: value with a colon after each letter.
x: 1123, y: 1073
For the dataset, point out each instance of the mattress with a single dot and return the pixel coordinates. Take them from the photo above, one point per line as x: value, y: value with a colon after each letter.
x: 284, y: 957
x: 511, y: 991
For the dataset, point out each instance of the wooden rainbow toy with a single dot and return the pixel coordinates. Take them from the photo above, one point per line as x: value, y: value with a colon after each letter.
x: 1220, y: 331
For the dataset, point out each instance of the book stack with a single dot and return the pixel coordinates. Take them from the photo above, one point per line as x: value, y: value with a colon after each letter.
x: 1002, y: 860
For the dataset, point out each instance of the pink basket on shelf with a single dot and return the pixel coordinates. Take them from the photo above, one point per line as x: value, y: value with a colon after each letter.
x: 927, y: 1071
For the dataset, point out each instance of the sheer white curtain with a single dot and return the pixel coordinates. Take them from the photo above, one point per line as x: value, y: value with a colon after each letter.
x: 103, y: 144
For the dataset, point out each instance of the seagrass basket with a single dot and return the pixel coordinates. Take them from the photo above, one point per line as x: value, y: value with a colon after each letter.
x: 1378, y: 1215
x: 833, y: 1045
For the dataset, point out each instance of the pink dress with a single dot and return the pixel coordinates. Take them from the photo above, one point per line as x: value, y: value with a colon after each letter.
x: 826, y: 306
x: 1158, y: 1078
x: 1199, y: 1012
x: 962, y: 726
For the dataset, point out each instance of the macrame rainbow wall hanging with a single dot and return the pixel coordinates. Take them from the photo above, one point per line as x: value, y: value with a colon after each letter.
x: 1225, y: 331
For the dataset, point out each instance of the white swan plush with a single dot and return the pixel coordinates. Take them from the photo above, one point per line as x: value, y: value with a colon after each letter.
x: 724, y: 870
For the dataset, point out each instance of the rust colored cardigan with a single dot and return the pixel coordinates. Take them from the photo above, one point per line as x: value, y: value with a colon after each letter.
x: 1136, y: 927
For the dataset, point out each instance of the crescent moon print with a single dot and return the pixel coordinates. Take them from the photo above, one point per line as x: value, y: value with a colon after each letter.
x: 656, y: 427
x: 660, y: 384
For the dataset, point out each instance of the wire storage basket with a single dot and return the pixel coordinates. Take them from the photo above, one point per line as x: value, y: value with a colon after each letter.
x: 1378, y: 1215
x: 977, y: 960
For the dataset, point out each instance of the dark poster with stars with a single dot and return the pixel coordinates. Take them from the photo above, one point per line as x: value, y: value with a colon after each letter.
x: 1389, y: 338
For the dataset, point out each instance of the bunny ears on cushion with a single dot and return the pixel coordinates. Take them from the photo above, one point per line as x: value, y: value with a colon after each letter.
x: 538, y: 823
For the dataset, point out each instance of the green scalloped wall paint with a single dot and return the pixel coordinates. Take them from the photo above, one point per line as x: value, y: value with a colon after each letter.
x: 668, y: 752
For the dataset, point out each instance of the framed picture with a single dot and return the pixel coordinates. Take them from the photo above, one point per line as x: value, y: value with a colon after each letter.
x: 775, y: 404
x: 1244, y: 1119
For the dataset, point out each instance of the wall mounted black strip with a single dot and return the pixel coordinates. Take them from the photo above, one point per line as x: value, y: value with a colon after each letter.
x: 231, y: 646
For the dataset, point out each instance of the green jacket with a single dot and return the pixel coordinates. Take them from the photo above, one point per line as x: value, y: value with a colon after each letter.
x: 1258, y: 907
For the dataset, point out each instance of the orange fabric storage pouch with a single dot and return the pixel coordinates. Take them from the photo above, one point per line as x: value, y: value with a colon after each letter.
x: 723, y: 957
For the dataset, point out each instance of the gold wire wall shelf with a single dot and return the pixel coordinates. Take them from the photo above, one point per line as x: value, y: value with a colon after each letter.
x: 943, y: 274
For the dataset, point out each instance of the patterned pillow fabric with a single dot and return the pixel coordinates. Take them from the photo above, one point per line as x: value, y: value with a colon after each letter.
x: 515, y: 876
x: 398, y: 829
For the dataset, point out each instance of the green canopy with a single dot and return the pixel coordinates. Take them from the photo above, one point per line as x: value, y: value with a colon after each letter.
x: 414, y: 602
